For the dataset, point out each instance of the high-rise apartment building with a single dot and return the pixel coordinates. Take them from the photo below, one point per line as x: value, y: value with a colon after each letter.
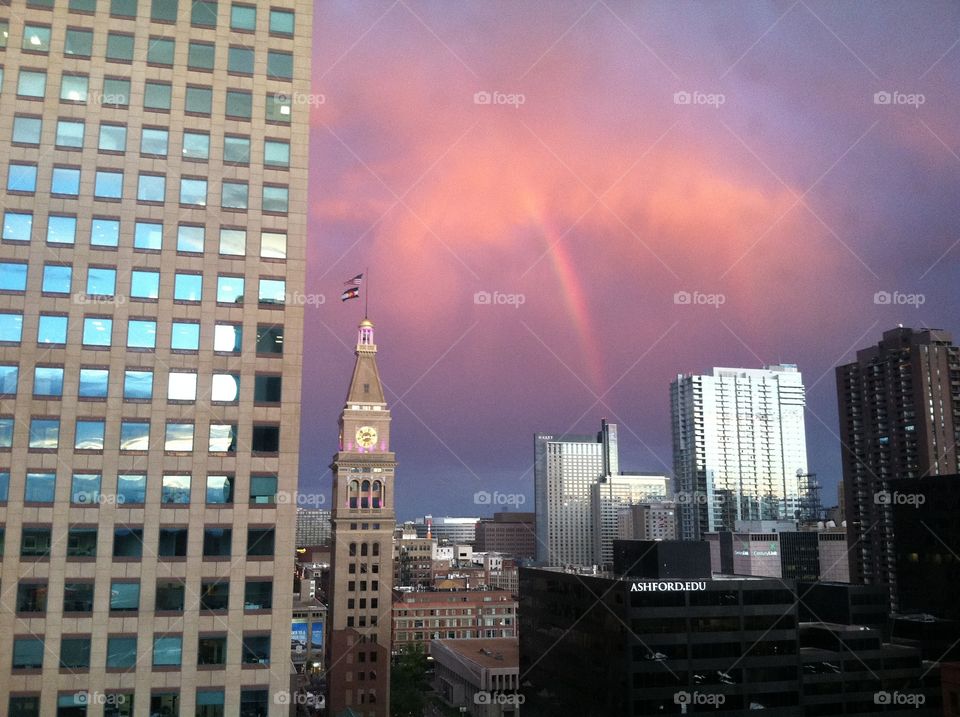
x: 565, y: 469
x: 361, y: 571
x: 152, y: 254
x: 739, y: 447
x: 899, y: 406
x: 611, y: 493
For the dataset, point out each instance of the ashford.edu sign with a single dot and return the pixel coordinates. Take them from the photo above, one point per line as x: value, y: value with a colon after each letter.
x: 668, y: 586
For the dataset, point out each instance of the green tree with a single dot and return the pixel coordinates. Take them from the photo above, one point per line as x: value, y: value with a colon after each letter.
x: 408, y: 682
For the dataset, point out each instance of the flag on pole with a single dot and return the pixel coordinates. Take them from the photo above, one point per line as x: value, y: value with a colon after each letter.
x: 352, y: 293
x: 355, y: 281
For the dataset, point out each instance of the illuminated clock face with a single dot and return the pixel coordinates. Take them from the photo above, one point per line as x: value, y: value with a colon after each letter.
x: 366, y: 436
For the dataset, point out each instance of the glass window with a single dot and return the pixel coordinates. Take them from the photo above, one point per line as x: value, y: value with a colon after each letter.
x: 78, y: 43
x: 199, y: 100
x: 270, y: 339
x: 44, y: 433
x: 190, y: 238
x: 185, y: 336
x: 263, y: 489
x: 123, y: 8
x: 65, y: 180
x: 121, y: 652
x: 175, y: 489
x: 223, y: 438
x: 137, y: 385
x: 116, y: 92
x: 225, y: 387
x: 82, y: 542
x: 193, y: 192
x: 170, y: 596
x: 144, y: 284
x: 35, y: 543
x: 9, y: 373
x: 179, y: 437
x: 214, y: 594
x: 36, y: 38
x: 196, y: 145
x: 256, y: 649
x: 163, y: 11
x: 104, y: 232
x: 131, y: 488
x: 70, y: 133
x: 279, y: 64
x: 200, y: 55
x: 151, y: 187
x: 210, y: 703
x: 281, y: 22
x: 73, y: 88
x: 243, y: 17
x: 85, y: 488
x: 233, y: 242
x: 26, y: 130
x: 278, y: 107
x: 156, y: 95
x: 124, y: 596
x: 272, y: 291
x: 32, y: 597
x: 4, y: 33
x: 182, y: 386
x: 219, y: 490
x: 187, y: 287
x: 101, y: 281
x: 11, y: 327
x: 167, y: 650
x: 258, y: 595
x: 203, y: 13
x: 31, y: 83
x: 134, y: 435
x: 266, y: 438
x: 48, y: 381
x: 27, y: 653
x: 173, y: 543
x: 236, y: 150
x: 239, y: 104
x: 276, y: 153
x: 234, y: 195
x: 276, y: 198
x: 17, y: 226
x: 113, y: 138
x: 108, y: 184
x: 61, y: 229
x: 78, y: 597
x: 148, y: 235
x: 13, y: 276
x: 21, y: 178
x: 212, y: 650
x: 40, y: 487
x: 240, y: 60
x: 74, y: 653
x: 160, y: 51
x: 127, y: 543
x: 217, y: 542
x: 93, y: 382
x: 227, y: 338
x: 154, y: 141
x: 52, y: 329
x: 141, y: 334
x: 89, y: 435
x: 267, y: 389
x: 229, y: 289
x: 119, y: 47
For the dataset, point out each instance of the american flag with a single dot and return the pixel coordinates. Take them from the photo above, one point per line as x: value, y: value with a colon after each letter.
x: 355, y: 281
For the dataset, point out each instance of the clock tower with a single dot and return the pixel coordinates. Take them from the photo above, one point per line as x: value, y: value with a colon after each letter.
x: 361, y: 570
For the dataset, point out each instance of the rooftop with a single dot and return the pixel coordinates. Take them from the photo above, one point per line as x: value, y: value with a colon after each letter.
x: 490, y: 653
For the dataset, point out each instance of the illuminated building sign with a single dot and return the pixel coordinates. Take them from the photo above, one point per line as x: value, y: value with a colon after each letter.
x: 668, y: 586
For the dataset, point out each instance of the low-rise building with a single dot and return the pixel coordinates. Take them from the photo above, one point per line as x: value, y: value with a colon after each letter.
x: 479, y: 677
x: 422, y: 616
x: 513, y: 534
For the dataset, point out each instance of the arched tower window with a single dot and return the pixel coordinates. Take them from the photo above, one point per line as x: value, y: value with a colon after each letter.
x: 376, y: 497
x: 353, y: 493
x: 365, y: 494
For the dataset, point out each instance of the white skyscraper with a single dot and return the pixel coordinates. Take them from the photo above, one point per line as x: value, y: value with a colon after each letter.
x: 738, y: 446
x: 609, y: 495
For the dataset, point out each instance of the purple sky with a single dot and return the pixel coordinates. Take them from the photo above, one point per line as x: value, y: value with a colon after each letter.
x: 592, y: 189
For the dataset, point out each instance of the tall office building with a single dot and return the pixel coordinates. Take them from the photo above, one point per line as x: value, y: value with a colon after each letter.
x: 899, y: 406
x: 153, y: 230
x: 361, y: 571
x: 313, y: 527
x: 565, y: 469
x: 447, y: 530
x: 739, y: 448
x: 609, y: 495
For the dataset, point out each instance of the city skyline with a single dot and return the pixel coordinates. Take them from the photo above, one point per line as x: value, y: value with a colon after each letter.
x: 709, y: 204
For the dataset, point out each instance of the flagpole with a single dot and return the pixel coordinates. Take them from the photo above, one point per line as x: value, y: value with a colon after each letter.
x: 366, y: 294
